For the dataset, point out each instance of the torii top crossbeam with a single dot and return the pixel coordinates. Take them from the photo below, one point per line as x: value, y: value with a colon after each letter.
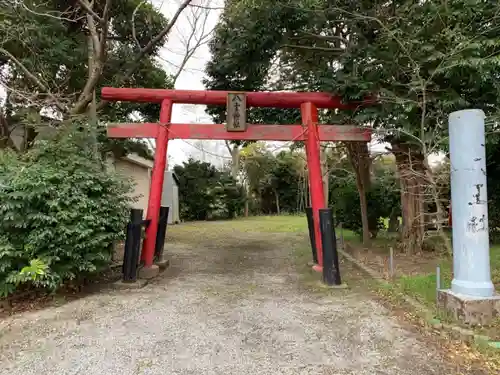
x: 276, y: 99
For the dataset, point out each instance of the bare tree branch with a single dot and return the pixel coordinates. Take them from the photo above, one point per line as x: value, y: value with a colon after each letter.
x: 228, y: 146
x: 134, y: 33
x: 147, y: 49
x: 207, y: 7
x: 96, y: 42
x: 55, y: 15
x: 153, y: 42
x: 97, y: 54
x: 150, y: 143
x: 34, y: 79
x: 314, y: 48
x: 104, y: 28
x: 198, y: 24
x: 88, y: 8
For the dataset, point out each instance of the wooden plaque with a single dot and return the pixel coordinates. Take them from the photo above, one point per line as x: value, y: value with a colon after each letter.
x: 236, y: 120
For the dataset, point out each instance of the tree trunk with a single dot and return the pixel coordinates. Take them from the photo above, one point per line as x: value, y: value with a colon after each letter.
x: 29, y: 137
x: 412, y: 183
x: 440, y: 212
x: 302, y: 194
x: 309, y: 197
x: 364, y: 210
x: 235, y: 166
x: 246, y: 207
x: 278, y: 211
x: 247, y: 199
x: 5, y: 139
x: 325, y: 173
x: 235, y: 159
x: 393, y: 221
x: 360, y: 160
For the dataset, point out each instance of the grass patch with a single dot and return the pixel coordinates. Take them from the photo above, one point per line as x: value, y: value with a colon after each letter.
x: 274, y: 224
x: 495, y: 265
x: 423, y: 287
x: 267, y: 224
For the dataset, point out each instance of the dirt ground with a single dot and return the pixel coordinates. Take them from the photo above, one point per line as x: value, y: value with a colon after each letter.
x: 232, y: 302
x: 377, y: 258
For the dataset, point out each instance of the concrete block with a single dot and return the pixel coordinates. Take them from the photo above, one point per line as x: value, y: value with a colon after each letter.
x: 462, y: 334
x: 118, y: 250
x: 149, y: 272
x: 163, y: 263
x: 325, y: 286
x: 138, y: 284
x: 470, y: 310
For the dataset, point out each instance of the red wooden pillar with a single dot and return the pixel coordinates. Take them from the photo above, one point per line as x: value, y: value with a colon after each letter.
x: 156, y: 187
x: 310, y: 120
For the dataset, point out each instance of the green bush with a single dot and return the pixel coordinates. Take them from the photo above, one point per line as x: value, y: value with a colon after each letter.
x: 206, y: 192
x: 493, y: 184
x: 60, y: 212
x: 382, y: 199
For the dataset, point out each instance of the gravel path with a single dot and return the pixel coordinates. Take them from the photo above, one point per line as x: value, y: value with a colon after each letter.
x: 224, y: 307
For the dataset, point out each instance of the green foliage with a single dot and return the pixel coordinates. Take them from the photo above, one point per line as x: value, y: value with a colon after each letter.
x: 421, y: 60
x: 493, y: 183
x: 382, y: 198
x: 57, y: 48
x: 230, y: 197
x: 288, y: 181
x: 206, y: 192
x: 50, y: 39
x: 242, y: 47
x: 278, y: 183
x: 424, y: 60
x: 35, y: 273
x: 60, y: 211
x: 275, y: 181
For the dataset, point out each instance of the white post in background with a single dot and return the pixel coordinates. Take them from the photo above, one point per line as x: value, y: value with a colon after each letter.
x: 471, y: 251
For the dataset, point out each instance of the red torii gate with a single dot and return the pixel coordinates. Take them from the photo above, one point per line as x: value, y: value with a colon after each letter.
x: 309, y: 131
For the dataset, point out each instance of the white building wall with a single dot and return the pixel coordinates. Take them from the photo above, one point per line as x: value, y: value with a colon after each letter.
x: 170, y: 197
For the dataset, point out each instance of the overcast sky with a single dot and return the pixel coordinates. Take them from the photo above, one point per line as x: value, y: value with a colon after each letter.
x: 190, y: 78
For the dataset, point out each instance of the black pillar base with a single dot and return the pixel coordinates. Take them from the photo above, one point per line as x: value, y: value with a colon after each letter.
x: 132, y: 246
x: 331, y: 270
x: 312, y: 236
x: 161, y: 233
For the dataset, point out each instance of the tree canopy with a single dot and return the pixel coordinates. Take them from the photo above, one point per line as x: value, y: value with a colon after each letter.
x: 420, y: 60
x: 56, y: 55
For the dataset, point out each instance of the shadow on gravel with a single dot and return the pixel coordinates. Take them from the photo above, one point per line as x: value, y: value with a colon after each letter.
x: 242, y: 254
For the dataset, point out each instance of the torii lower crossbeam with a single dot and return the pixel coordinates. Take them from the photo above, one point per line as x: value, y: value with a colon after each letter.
x: 309, y: 132
x: 253, y: 133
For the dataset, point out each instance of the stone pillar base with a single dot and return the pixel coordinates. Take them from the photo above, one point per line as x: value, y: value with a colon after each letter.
x: 163, y: 263
x: 149, y: 272
x: 138, y: 284
x: 470, y: 310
